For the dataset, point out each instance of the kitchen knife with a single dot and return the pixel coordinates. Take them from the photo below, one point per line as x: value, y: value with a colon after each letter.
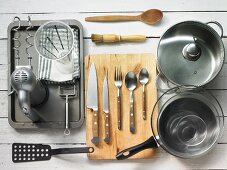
x: 106, y: 110
x: 92, y: 102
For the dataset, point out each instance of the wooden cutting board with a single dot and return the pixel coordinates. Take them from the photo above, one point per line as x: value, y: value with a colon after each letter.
x: 121, y: 139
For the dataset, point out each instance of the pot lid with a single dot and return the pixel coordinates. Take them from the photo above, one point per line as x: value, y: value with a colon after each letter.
x: 190, y: 53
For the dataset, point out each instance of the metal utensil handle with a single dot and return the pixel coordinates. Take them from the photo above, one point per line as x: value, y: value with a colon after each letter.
x: 107, y: 128
x: 95, y: 128
x: 71, y: 150
x: 119, y: 124
x: 132, y: 117
x: 219, y: 25
x: 67, y: 131
x: 144, y: 103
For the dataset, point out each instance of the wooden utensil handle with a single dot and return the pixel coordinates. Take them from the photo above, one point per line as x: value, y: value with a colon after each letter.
x: 95, y: 128
x: 132, y: 116
x: 133, y: 38
x: 107, y: 128
x: 111, y: 38
x: 119, y: 123
x: 112, y: 18
x: 144, y: 105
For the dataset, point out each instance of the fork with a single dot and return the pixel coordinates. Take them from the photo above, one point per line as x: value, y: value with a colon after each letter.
x: 118, y: 84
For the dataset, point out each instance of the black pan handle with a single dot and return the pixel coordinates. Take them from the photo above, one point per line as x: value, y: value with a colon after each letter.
x: 72, y: 150
x: 150, y: 143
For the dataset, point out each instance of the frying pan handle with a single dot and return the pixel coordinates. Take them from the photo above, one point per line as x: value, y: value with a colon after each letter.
x: 218, y: 24
x: 72, y: 150
x: 150, y: 143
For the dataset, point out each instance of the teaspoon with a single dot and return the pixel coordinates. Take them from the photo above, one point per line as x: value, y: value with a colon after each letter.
x: 144, y: 78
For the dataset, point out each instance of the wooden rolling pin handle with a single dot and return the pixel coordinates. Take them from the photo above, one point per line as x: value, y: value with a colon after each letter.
x: 133, y: 38
x: 112, y: 18
x: 111, y: 38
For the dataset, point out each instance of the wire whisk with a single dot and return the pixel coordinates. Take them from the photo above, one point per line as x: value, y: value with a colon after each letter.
x: 16, y: 40
x: 30, y: 26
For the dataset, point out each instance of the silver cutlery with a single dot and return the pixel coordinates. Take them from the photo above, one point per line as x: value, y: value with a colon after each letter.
x: 118, y: 84
x: 144, y: 78
x: 131, y: 83
x: 92, y: 102
x: 106, y: 110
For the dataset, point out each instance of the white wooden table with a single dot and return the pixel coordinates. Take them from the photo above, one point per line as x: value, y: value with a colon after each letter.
x: 174, y: 12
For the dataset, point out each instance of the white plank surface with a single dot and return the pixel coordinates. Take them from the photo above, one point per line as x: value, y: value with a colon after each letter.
x: 169, y: 19
x: 174, y: 12
x: 46, y: 6
x: 213, y: 160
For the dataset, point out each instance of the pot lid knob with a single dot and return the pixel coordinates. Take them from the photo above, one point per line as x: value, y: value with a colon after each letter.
x: 191, y: 51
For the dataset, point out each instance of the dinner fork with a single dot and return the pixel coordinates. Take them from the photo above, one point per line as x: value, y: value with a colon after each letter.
x: 118, y: 84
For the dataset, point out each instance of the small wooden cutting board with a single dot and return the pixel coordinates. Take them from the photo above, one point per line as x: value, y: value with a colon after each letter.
x: 121, y: 139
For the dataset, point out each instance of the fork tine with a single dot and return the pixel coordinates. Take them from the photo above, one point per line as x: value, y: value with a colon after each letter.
x: 115, y: 74
x: 120, y: 74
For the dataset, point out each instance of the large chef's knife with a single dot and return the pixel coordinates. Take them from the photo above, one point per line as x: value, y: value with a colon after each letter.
x: 106, y: 110
x: 92, y: 102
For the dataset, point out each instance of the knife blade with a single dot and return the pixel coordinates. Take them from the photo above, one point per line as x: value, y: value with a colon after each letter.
x: 92, y: 102
x: 106, y: 110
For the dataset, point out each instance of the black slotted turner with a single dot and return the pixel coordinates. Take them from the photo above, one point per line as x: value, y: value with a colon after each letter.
x: 24, y: 152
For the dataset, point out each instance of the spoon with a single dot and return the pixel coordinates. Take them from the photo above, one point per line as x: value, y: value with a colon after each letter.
x: 131, y: 82
x: 144, y: 78
x: 150, y: 17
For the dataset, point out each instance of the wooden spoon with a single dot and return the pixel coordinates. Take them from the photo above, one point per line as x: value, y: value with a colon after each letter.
x: 151, y: 17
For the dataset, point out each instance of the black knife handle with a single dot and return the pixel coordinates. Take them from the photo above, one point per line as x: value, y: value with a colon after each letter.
x: 71, y: 150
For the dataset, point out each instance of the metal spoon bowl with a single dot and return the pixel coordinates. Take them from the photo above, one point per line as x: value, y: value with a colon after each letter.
x: 131, y: 81
x: 144, y: 76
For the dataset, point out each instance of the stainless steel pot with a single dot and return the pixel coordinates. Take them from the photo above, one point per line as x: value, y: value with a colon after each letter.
x: 191, y: 53
x: 189, y: 123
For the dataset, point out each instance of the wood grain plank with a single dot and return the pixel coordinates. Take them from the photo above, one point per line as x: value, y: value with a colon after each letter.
x: 128, y: 62
x: 13, y: 6
x: 124, y: 28
x: 216, y: 159
x: 3, y: 77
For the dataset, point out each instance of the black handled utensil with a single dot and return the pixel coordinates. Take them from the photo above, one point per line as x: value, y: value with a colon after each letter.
x: 24, y: 152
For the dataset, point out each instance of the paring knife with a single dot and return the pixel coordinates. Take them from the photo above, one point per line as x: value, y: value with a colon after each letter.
x: 92, y: 102
x: 106, y: 110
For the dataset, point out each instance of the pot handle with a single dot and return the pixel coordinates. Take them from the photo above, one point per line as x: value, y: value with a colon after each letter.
x: 150, y: 143
x: 219, y: 25
x: 161, y: 80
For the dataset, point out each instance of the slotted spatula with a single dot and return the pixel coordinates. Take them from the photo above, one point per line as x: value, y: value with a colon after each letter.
x: 24, y: 152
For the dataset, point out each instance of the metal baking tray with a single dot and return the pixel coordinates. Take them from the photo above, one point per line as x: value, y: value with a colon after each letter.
x: 53, y: 111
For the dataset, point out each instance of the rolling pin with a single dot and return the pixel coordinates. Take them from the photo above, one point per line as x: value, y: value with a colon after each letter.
x: 111, y: 38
